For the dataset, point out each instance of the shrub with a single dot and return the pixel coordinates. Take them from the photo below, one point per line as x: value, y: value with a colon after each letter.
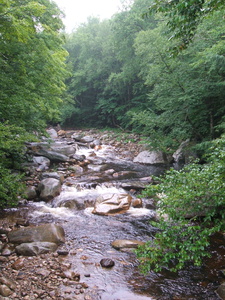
x: 193, y: 202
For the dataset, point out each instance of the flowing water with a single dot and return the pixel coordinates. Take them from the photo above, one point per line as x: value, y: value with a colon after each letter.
x: 89, y: 236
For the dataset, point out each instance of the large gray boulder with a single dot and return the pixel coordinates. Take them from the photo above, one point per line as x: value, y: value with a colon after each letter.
x: 87, y: 139
x: 52, y: 132
x: 111, y: 204
x: 41, y: 160
x: 63, y: 148
x: 151, y: 158
x: 53, y: 155
x: 44, y: 233
x: 35, y: 248
x: 49, y: 188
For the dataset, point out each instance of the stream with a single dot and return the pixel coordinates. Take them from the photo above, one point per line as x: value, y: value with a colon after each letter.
x: 89, y: 236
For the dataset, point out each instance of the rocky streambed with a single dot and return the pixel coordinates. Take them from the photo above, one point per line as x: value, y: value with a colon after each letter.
x: 74, y: 236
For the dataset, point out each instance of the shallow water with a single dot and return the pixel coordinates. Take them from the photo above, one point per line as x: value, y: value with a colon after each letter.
x: 89, y: 237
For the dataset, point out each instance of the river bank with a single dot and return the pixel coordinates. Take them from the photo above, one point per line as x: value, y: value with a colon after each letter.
x: 74, y: 270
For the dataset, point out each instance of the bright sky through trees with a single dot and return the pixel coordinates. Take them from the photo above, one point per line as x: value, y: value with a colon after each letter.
x: 77, y: 11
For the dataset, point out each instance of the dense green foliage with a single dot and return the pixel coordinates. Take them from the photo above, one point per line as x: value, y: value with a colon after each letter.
x: 32, y: 62
x: 123, y: 75
x: 191, y: 208
x: 33, y: 70
x: 184, y: 17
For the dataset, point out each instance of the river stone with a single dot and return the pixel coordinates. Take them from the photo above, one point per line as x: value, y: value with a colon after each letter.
x: 49, y: 188
x: 151, y: 157
x: 76, y: 136
x: 7, y: 281
x: 44, y: 233
x: 87, y: 139
x: 76, y: 169
x: 35, y: 248
x: 53, y: 155
x: 110, y: 204
x: 55, y: 175
x: 41, y: 160
x: 221, y: 291
x: 30, y: 193
x: 120, y: 244
x: 97, y: 168
x: 63, y: 149
x: 53, y: 133
x: 107, y: 263
x: 137, y: 203
x: 5, y: 290
x: 18, y: 264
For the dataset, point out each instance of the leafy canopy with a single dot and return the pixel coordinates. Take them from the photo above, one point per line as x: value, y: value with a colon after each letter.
x: 183, y: 17
x: 33, y: 70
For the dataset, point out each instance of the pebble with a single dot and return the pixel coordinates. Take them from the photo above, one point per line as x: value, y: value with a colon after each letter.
x: 107, y: 263
x: 5, y: 290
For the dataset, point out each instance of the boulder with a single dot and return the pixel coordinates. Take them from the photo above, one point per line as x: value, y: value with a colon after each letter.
x: 53, y: 155
x: 221, y: 291
x: 76, y: 169
x: 44, y: 233
x: 95, y: 143
x: 120, y: 244
x: 52, y: 132
x: 35, y: 248
x: 30, y: 193
x: 49, y: 188
x: 41, y: 160
x: 184, y: 154
x: 55, y: 175
x: 110, y: 204
x: 87, y: 139
x: 138, y: 184
x: 151, y: 158
x: 63, y: 149
x: 76, y: 136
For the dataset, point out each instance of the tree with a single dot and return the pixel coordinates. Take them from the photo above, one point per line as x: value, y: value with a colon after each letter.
x: 183, y: 17
x: 32, y: 62
x: 104, y: 82
x: 33, y: 70
x: 185, y: 98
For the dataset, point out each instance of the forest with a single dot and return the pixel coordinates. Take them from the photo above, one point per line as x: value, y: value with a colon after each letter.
x: 156, y: 68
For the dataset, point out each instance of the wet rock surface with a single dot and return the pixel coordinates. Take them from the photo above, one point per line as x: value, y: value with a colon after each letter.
x: 93, y: 258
